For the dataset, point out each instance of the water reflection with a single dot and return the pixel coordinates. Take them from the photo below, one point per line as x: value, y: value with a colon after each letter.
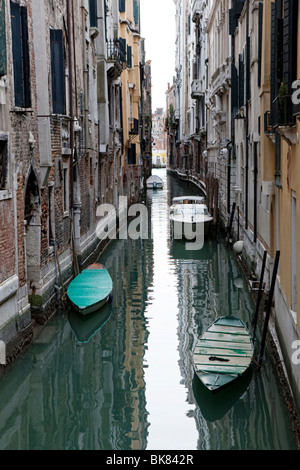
x: 84, y: 327
x: 127, y: 380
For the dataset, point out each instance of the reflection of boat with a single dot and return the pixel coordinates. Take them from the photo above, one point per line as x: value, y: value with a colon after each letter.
x: 91, y: 289
x: 223, y: 353
x: 188, y: 213
x: 178, y: 251
x: 155, y: 182
x: 85, y: 327
x: 214, y: 406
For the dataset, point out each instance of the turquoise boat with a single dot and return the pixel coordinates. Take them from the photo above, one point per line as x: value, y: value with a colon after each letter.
x: 223, y: 353
x: 90, y: 290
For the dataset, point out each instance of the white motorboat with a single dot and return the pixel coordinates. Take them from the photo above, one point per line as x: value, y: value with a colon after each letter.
x: 155, y: 182
x: 187, y: 214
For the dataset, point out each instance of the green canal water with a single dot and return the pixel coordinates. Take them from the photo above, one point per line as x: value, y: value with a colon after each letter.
x: 124, y: 379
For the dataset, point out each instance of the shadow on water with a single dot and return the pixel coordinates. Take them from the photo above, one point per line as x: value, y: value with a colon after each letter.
x: 214, y: 406
x: 84, y: 328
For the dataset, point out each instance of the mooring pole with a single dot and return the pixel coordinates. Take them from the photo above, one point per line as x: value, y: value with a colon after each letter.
x: 229, y: 229
x: 259, y: 296
x: 269, y: 306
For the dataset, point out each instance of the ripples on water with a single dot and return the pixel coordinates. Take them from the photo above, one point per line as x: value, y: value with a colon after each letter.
x: 124, y: 379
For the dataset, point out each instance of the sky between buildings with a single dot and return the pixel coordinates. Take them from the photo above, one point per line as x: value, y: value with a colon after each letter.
x: 158, y: 29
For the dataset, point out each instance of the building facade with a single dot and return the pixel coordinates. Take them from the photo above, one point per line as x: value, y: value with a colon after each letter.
x: 70, y: 98
x: 245, y: 88
x: 159, y: 139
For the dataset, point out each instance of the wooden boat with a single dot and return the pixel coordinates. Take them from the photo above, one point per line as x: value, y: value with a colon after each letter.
x: 91, y: 289
x: 223, y: 353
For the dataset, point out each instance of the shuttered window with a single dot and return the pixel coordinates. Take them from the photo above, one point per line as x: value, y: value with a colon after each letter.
x: 3, y: 59
x: 136, y: 13
x: 57, y: 71
x: 3, y: 164
x: 93, y: 13
x: 234, y: 89
x: 241, y: 81
x: 20, y: 51
x: 248, y: 71
x: 289, y: 47
x: 121, y: 5
x: 129, y: 57
x: 132, y: 155
x: 260, y: 31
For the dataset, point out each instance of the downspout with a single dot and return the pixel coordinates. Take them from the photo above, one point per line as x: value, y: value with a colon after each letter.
x: 71, y: 111
x: 247, y: 126
x: 255, y: 191
x: 70, y: 53
x: 85, y: 81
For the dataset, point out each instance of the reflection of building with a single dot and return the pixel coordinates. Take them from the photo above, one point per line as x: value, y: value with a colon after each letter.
x: 98, y: 396
x: 159, y: 139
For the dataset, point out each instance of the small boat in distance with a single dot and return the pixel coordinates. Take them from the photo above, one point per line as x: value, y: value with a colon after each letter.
x: 223, y: 353
x: 91, y: 289
x: 155, y: 182
x: 189, y: 211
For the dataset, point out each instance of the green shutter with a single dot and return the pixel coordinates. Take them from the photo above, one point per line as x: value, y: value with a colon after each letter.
x: 129, y: 57
x: 17, y: 54
x: 57, y: 71
x: 93, y: 13
x: 136, y: 14
x: 121, y: 5
x: 3, y: 60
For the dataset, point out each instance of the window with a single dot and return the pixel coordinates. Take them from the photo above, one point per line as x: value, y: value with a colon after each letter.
x: 121, y: 5
x: 132, y: 155
x: 3, y: 59
x: 51, y: 213
x: 20, y: 51
x: 3, y: 164
x: 129, y: 57
x: 66, y: 190
x: 57, y: 71
x: 93, y: 13
x: 136, y: 13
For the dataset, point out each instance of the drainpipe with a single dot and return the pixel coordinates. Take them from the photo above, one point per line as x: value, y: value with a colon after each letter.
x: 71, y: 99
x: 247, y: 127
x: 70, y: 58
x: 255, y: 191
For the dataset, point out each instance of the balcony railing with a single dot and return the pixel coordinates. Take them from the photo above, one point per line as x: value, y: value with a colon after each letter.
x: 116, y: 51
x: 282, y: 111
x: 133, y: 126
x: 196, y: 89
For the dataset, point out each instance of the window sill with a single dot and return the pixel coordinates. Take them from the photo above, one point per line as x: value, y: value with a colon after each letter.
x: 5, y: 194
x: 16, y: 109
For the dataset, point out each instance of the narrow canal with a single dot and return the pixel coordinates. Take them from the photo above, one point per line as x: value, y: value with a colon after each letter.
x: 124, y: 379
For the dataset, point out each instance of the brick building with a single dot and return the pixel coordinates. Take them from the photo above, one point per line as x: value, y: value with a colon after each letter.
x: 61, y: 146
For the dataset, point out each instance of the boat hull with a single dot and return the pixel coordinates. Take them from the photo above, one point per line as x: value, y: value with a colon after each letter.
x: 223, y: 354
x: 90, y: 290
x: 181, y: 228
